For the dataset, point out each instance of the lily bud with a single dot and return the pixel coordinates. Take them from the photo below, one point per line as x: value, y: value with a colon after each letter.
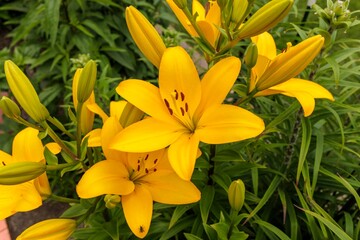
x: 130, y: 115
x: 86, y: 81
x: 60, y: 229
x: 251, y: 55
x: 265, y: 18
x: 145, y: 35
x: 239, y: 8
x: 290, y: 63
x: 9, y: 108
x: 24, y: 92
x: 236, y: 194
x: 20, y: 172
x: 111, y: 200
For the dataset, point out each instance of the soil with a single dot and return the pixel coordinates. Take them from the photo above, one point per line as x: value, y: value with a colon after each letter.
x: 20, y: 221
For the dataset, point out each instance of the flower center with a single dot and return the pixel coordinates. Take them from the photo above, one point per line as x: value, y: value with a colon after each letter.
x: 179, y: 108
x: 144, y: 166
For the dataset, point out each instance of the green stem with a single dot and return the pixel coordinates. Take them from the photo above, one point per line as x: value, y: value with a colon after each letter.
x: 59, y: 166
x: 190, y: 17
x: 64, y: 199
x: 60, y: 127
x: 79, y: 134
x: 246, y: 99
x: 56, y: 138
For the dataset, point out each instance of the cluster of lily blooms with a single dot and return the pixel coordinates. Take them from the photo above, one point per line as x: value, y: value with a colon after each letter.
x: 150, y: 140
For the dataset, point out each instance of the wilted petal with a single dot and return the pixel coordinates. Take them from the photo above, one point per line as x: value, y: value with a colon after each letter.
x: 105, y: 177
x: 182, y: 155
x: 138, y: 207
x: 173, y: 190
x: 227, y: 123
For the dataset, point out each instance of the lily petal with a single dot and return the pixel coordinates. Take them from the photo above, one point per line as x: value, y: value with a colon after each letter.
x: 182, y: 155
x: 144, y: 96
x: 177, y: 72
x: 265, y: 45
x: 173, y: 190
x: 95, y: 108
x: 138, y: 208
x: 94, y: 139
x: 217, y: 82
x: 27, y: 147
x: 210, y: 31
x: 227, y: 123
x: 303, y: 90
x: 18, y: 198
x: 5, y: 158
x: 110, y: 128
x: 53, y: 147
x: 105, y: 177
x: 147, y: 135
x: 117, y: 108
x: 198, y: 8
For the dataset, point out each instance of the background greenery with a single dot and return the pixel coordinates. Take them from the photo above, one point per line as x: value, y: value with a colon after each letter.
x: 302, y: 175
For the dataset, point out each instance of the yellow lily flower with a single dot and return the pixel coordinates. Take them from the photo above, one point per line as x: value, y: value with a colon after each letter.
x: 87, y: 116
x: 274, y: 73
x: 50, y: 229
x: 185, y: 111
x: 27, y: 147
x: 145, y: 35
x: 140, y: 179
x: 207, y: 21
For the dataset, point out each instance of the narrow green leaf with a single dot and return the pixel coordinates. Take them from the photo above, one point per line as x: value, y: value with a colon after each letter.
x: 335, y: 229
x: 349, y: 224
x: 273, y: 229
x: 282, y: 116
x: 293, y: 218
x: 305, y: 143
x: 51, y: 20
x: 190, y: 236
x: 318, y: 156
x: 268, y: 194
x: 207, y: 197
x: 345, y: 183
x: 255, y: 179
x: 178, y: 212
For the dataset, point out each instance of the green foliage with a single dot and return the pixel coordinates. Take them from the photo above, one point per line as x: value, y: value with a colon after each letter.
x: 301, y: 175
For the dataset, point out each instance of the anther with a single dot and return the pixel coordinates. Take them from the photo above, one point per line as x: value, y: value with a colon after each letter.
x: 182, y: 96
x: 176, y: 95
x: 154, y: 169
x: 155, y: 161
x: 182, y: 111
x: 138, y: 168
x: 3, y: 163
x: 146, y: 170
x: 186, y: 107
x: 146, y: 157
x: 166, y: 103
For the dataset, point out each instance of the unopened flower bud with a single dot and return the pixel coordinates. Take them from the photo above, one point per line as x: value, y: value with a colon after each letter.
x: 236, y: 194
x: 265, y: 18
x: 86, y: 81
x: 59, y: 229
x: 130, y: 115
x: 145, y: 35
x: 239, y: 8
x: 20, y: 172
x: 222, y: 3
x: 251, y: 55
x: 24, y: 92
x: 111, y: 200
x: 9, y: 108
